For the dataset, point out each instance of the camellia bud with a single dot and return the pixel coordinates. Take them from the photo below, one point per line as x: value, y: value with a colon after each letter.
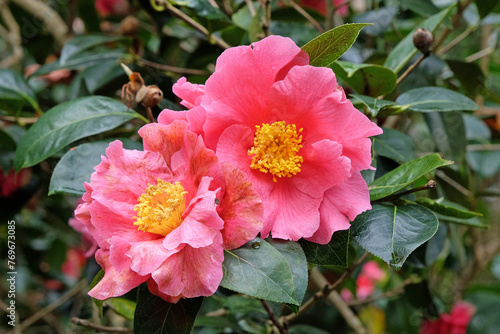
x: 152, y: 97
x: 422, y: 39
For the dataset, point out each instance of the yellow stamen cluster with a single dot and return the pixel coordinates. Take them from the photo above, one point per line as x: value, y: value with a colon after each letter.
x: 275, y: 149
x: 160, y: 207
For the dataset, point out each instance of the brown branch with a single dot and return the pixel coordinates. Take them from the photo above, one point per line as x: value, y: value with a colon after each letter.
x: 394, y: 292
x: 173, y: 69
x: 411, y: 68
x: 273, y: 317
x: 54, y: 24
x: 51, y: 307
x: 454, y: 22
x: 12, y: 35
x: 266, y: 20
x: 327, y: 289
x: 305, y: 14
x: 456, y: 40
x: 99, y: 328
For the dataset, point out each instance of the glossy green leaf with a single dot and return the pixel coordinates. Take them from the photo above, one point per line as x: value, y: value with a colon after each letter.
x: 378, y: 107
x: 329, y: 46
x: 380, y: 18
x: 203, y: 9
x: 405, y: 49
x: 470, y: 75
x: 366, y: 79
x: 404, y: 175
x: 485, y: 163
x: 486, y: 301
x: 429, y: 99
x: 485, y: 7
x: 122, y: 306
x: 475, y: 128
x: 259, y: 270
x: 457, y: 214
x: 422, y: 7
x: 153, y: 315
x: 335, y: 253
x: 82, y: 43
x: 76, y: 166
x: 97, y: 279
x: 394, y: 145
x: 392, y: 232
x: 448, y: 131
x: 439, y: 207
x: 67, y: 122
x: 15, y: 91
x: 294, y: 255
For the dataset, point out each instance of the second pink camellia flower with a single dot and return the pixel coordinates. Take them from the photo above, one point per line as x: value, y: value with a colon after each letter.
x: 164, y: 215
x: 291, y: 129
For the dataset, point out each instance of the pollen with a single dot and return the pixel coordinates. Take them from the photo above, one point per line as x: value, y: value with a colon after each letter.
x: 160, y: 207
x: 275, y: 149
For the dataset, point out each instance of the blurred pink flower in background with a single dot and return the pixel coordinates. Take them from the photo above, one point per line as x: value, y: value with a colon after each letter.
x: 370, y: 275
x: 320, y: 6
x: 291, y: 129
x: 74, y: 263
x: 11, y: 181
x: 454, y: 323
x: 112, y: 7
x: 164, y: 215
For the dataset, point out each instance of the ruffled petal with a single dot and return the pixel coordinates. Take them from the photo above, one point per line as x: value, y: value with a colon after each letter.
x: 240, y: 208
x: 164, y: 139
x: 190, y: 94
x: 195, y: 118
x: 192, y: 272
x: 147, y: 256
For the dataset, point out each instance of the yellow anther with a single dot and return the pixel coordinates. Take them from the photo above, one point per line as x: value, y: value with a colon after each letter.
x: 160, y: 207
x: 275, y: 149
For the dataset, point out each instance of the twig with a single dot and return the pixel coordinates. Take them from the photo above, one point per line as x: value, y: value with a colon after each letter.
x: 99, y: 328
x: 273, y: 317
x: 429, y: 185
x: 454, y: 22
x: 51, y: 307
x: 335, y: 298
x: 173, y: 69
x: 455, y: 41
x: 180, y: 14
x: 54, y: 24
x: 328, y: 288
x: 483, y: 147
x: 330, y: 10
x: 266, y: 20
x: 411, y: 68
x: 12, y: 35
x: 305, y: 14
x: 251, y: 8
x: 394, y: 292
x: 478, y: 55
x: 466, y: 192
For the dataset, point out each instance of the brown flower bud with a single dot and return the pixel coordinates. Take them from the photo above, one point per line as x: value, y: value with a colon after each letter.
x: 129, y: 26
x: 422, y: 39
x: 152, y: 97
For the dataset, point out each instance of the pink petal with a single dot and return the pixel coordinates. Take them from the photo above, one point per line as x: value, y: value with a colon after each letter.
x: 165, y: 139
x: 195, y: 118
x: 240, y: 208
x: 190, y: 94
x: 331, y: 220
x: 115, y: 282
x: 147, y: 256
x: 192, y: 272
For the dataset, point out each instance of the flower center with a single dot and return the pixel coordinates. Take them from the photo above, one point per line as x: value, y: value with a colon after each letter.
x: 275, y: 149
x: 160, y: 207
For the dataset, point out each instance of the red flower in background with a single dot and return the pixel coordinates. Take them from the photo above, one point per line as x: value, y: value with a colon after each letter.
x: 454, y: 323
x: 112, y: 7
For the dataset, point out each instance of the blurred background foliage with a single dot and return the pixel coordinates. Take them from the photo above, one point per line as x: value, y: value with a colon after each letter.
x: 56, y: 51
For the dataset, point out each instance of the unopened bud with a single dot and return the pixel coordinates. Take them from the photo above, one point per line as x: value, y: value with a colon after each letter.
x: 422, y: 39
x: 153, y: 96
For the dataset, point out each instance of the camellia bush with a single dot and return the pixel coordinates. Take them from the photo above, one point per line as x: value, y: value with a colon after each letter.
x: 230, y: 166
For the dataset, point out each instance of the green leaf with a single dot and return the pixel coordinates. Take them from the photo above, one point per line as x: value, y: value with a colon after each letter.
x: 429, y: 99
x: 329, y: 46
x: 83, y: 43
x: 294, y: 255
x: 97, y: 279
x: 377, y: 107
x: 335, y: 253
x: 486, y: 163
x: 366, y: 79
x: 487, y: 302
x: 470, y: 75
x: 76, y: 166
x: 67, y: 122
x: 405, y: 50
x: 259, y: 270
x: 15, y: 91
x: 448, y: 131
x: 153, y: 315
x: 485, y: 7
x: 394, y: 145
x: 438, y: 206
x: 457, y: 214
x: 421, y: 7
x: 392, y: 232
x: 405, y: 174
x: 122, y: 306
x: 203, y: 8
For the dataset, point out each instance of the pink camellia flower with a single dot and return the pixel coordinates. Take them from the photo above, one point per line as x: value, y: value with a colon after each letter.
x: 291, y: 129
x: 112, y: 7
x: 454, y: 323
x: 370, y: 275
x: 164, y: 215
x: 320, y: 6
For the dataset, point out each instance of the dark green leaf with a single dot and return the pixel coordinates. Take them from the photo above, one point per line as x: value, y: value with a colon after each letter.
x: 76, y: 166
x: 122, y: 306
x: 380, y: 18
x: 405, y: 174
x: 429, y: 99
x: 94, y: 282
x: 475, y: 128
x: 67, y: 122
x: 294, y: 255
x: 329, y: 46
x: 394, y: 145
x: 405, y: 50
x: 470, y: 75
x: 421, y: 7
x: 377, y: 107
x: 448, y: 131
x: 485, y: 7
x: 335, y: 253
x: 83, y: 43
x: 447, y: 210
x: 486, y: 163
x: 259, y: 270
x: 487, y: 303
x: 204, y: 9
x: 366, y: 79
x: 392, y: 232
x: 153, y: 315
x: 15, y: 90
